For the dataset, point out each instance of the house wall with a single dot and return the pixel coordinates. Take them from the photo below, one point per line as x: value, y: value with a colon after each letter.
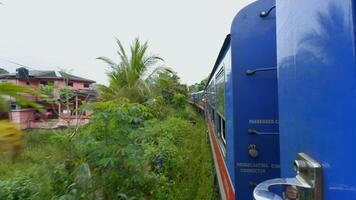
x: 22, y: 117
x: 25, y: 117
x: 77, y: 85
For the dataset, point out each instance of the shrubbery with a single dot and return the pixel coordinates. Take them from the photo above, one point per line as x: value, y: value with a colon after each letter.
x: 127, y: 151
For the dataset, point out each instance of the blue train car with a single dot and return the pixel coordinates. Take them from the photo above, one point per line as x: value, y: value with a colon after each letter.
x: 242, y: 104
x: 317, y: 99
x: 197, y: 99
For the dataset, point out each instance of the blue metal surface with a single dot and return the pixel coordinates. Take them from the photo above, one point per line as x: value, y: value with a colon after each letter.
x: 317, y: 94
x: 251, y: 100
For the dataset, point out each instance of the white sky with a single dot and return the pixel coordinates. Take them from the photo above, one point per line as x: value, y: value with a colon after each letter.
x: 53, y: 34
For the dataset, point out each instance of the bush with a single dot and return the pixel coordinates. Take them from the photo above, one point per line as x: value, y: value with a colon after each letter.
x: 123, y: 153
x: 179, y: 101
x: 181, y: 157
x: 19, y: 188
x: 158, y: 107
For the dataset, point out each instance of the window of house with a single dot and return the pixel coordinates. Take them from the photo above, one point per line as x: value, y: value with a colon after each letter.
x: 13, y: 106
x: 66, y: 112
x: 70, y: 84
x: 43, y: 83
x: 86, y: 85
x: 28, y: 83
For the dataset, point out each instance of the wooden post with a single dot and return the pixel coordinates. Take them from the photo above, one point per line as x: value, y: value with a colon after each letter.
x: 76, y: 108
x: 59, y: 111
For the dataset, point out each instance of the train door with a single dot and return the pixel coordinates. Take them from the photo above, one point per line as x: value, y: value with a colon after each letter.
x: 317, y: 100
x: 252, y: 98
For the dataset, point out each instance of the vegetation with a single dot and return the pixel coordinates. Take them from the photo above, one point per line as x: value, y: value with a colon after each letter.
x: 130, y: 77
x: 2, y: 70
x: 143, y: 142
x: 198, y: 86
x: 16, y: 92
x: 10, y: 136
x: 124, y: 153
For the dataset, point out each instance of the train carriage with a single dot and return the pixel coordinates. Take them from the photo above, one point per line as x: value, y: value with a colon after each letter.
x: 281, y: 102
x: 241, y: 104
x: 317, y: 99
x: 197, y: 99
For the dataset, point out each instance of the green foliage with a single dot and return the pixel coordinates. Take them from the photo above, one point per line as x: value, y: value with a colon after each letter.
x: 2, y: 70
x: 125, y: 152
x: 19, y: 188
x: 158, y: 107
x: 34, y: 173
x: 166, y: 84
x: 129, y: 78
x: 47, y: 93
x: 198, y: 86
x: 113, y: 151
x: 16, y: 91
x: 156, y: 150
x: 179, y: 100
x: 184, y: 158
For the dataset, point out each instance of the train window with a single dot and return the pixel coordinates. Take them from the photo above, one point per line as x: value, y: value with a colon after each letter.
x: 212, y: 115
x: 219, y: 126
x: 220, y: 92
x: 221, y: 129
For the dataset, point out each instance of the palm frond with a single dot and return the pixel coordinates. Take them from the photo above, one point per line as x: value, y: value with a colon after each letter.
x: 110, y: 62
x: 17, y: 91
x: 128, y: 78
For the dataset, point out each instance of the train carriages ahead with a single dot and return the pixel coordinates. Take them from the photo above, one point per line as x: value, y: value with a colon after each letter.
x: 241, y: 104
x: 197, y: 99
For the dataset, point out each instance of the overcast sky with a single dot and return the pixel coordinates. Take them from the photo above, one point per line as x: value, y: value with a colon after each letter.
x: 70, y: 34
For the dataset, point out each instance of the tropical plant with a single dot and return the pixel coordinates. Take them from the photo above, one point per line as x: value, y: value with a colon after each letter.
x: 129, y: 78
x: 10, y: 136
x: 16, y: 92
x: 166, y: 84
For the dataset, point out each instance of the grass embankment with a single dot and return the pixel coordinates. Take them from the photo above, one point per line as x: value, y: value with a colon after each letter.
x: 166, y: 158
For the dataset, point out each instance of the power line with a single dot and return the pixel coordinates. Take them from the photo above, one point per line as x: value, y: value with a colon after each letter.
x: 16, y: 63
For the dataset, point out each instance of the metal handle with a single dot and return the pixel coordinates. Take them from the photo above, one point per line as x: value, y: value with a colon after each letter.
x: 262, y: 192
x: 309, y: 176
x: 255, y: 132
x: 251, y: 72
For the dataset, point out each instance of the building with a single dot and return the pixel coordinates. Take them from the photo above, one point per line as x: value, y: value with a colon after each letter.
x: 61, y: 111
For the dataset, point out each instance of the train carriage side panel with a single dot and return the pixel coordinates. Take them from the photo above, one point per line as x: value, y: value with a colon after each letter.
x: 216, y: 118
x: 317, y: 78
x: 254, y: 100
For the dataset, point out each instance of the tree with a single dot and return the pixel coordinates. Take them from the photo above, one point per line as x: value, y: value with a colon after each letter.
x: 3, y: 71
x: 129, y: 78
x: 198, y: 86
x: 166, y: 84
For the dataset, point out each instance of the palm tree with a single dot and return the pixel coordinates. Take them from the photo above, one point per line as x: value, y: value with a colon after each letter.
x: 130, y: 77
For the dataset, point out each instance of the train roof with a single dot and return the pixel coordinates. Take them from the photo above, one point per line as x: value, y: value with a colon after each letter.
x: 225, y: 47
x: 199, y: 92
